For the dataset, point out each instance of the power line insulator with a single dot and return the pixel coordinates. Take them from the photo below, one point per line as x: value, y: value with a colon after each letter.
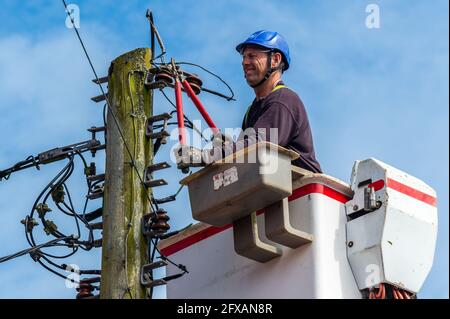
x: 85, y: 290
x: 155, y: 224
x: 160, y: 225
x: 195, y: 83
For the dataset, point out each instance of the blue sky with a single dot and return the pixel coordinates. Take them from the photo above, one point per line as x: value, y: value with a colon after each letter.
x: 379, y: 93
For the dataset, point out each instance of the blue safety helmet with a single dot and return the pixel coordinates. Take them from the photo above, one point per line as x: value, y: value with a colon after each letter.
x: 270, y: 40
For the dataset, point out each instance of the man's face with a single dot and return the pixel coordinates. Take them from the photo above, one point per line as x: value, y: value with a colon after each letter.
x: 254, y: 64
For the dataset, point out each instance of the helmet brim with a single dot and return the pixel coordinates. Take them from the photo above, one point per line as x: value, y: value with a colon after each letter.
x: 241, y: 46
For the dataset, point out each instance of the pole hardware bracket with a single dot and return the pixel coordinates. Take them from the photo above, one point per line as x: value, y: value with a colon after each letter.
x: 147, y: 274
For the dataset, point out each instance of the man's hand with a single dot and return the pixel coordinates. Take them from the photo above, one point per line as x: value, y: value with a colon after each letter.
x: 220, y: 139
x: 188, y: 156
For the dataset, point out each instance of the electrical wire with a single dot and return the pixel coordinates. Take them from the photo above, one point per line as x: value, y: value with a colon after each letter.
x: 110, y: 110
x: 32, y: 249
x: 152, y: 249
x: 30, y: 238
x: 228, y: 98
x: 151, y: 254
x: 192, y: 126
x: 56, y: 273
x: 107, y: 107
x: 57, y: 184
x: 213, y: 74
x: 386, y: 291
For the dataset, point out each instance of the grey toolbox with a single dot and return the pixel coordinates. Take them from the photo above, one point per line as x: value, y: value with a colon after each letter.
x: 241, y: 183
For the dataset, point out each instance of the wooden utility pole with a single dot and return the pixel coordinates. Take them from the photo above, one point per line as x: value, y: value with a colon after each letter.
x: 124, y: 248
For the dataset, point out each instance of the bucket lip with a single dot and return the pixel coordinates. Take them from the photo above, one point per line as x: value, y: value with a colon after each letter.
x: 231, y: 159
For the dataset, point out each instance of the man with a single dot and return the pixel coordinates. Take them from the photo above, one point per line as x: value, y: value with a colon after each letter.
x: 265, y: 56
